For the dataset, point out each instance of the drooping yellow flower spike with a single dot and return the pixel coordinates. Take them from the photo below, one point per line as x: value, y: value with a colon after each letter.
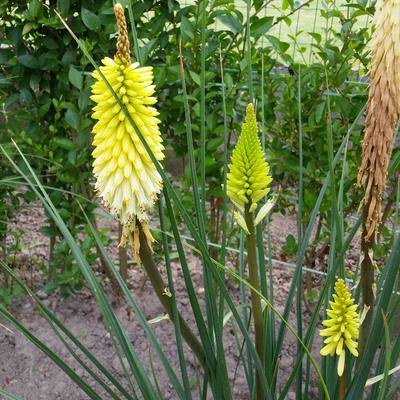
x: 127, y: 180
x: 248, y: 180
x: 342, y: 326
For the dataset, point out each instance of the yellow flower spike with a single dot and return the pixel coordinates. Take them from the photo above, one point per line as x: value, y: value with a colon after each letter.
x: 248, y: 180
x: 126, y: 179
x: 342, y: 326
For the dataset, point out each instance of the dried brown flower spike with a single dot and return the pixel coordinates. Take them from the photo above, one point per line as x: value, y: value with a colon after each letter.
x: 382, y: 110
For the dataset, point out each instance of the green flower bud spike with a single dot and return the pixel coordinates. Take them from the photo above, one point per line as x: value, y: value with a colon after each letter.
x: 342, y: 326
x: 248, y: 179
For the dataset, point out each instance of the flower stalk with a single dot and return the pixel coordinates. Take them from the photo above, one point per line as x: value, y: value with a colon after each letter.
x: 256, y: 306
x: 165, y: 297
x: 382, y: 114
x: 342, y: 385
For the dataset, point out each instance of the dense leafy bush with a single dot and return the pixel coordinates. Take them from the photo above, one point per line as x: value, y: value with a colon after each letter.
x: 46, y: 93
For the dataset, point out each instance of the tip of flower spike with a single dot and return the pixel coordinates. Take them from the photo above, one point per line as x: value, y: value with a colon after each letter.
x: 250, y: 108
x: 118, y: 8
x: 123, y: 46
x: 250, y: 114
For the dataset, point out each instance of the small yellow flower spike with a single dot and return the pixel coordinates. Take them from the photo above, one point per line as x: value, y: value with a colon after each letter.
x: 342, y: 326
x: 248, y: 180
x: 127, y: 180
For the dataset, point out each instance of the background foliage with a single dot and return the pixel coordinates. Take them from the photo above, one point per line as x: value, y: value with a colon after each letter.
x: 45, y: 86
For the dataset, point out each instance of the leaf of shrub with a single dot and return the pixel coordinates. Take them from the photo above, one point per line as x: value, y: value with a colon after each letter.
x: 65, y: 143
x: 231, y: 22
x: 75, y: 77
x: 28, y: 61
x: 187, y: 29
x: 72, y: 119
x: 261, y: 26
x: 290, y: 247
x: 90, y: 19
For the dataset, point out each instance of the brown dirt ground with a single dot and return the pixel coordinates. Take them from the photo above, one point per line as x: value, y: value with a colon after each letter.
x: 26, y: 372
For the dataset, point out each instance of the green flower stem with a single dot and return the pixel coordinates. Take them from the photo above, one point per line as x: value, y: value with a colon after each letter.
x: 159, y: 287
x: 255, y: 298
x: 366, y: 282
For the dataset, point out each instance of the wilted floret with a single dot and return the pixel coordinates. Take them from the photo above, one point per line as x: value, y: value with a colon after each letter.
x: 342, y: 326
x: 248, y: 180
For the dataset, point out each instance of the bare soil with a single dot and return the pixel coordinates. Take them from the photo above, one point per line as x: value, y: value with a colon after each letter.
x: 29, y: 374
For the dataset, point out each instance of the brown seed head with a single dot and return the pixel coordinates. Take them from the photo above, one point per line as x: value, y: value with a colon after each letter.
x: 383, y: 110
x: 123, y: 52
